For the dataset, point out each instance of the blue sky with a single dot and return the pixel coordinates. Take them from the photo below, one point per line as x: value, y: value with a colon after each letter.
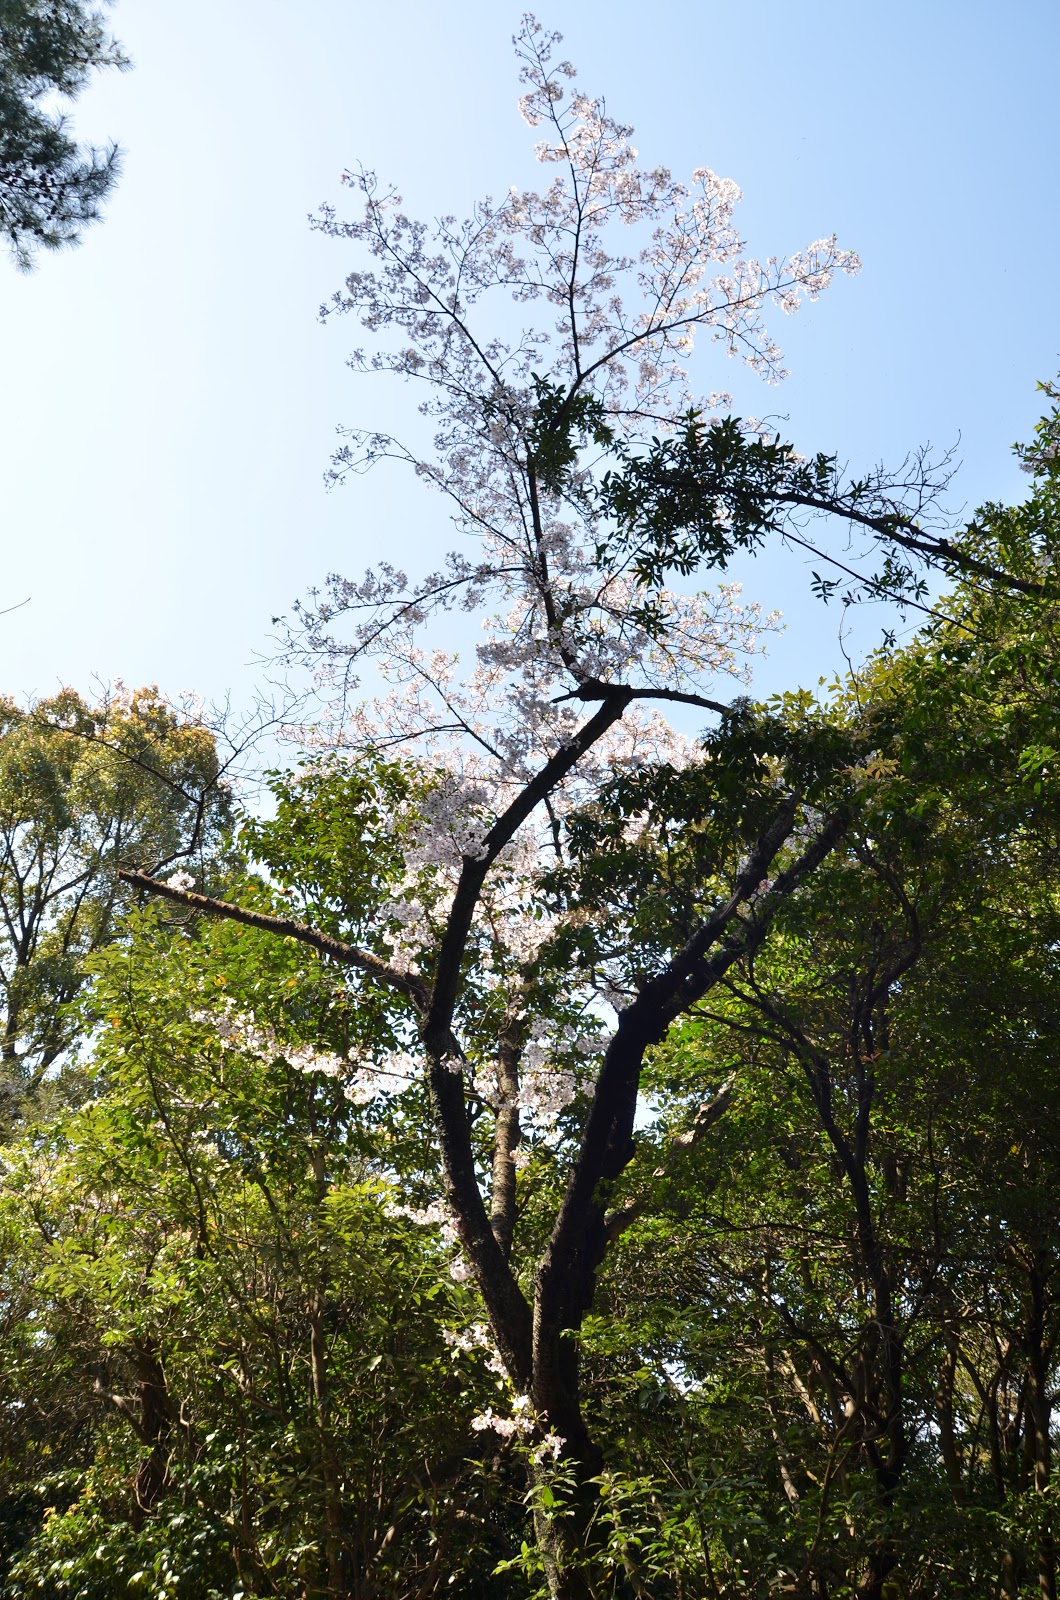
x: 170, y: 398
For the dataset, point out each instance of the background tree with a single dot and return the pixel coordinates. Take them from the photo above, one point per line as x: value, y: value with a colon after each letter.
x: 859, y: 1261
x: 240, y: 1336
x: 50, y: 187
x: 84, y: 787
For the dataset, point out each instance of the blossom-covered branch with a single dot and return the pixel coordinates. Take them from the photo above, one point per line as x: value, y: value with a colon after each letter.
x: 178, y: 888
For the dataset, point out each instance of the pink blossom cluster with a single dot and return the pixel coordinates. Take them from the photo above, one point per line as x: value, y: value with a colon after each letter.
x: 473, y: 1339
x: 362, y: 1080
x: 553, y: 617
x: 507, y: 1427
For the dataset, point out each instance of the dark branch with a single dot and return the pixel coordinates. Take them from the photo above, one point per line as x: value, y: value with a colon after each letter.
x: 412, y: 987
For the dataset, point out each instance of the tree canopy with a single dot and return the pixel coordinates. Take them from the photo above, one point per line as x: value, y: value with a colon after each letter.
x: 50, y: 186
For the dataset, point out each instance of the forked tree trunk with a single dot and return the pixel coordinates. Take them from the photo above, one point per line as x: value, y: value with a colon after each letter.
x: 538, y: 1345
x: 155, y: 1429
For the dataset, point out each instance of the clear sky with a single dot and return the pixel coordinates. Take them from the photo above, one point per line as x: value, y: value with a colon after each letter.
x: 169, y: 398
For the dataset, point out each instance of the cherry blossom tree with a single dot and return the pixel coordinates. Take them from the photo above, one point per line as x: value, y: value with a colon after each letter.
x: 509, y: 934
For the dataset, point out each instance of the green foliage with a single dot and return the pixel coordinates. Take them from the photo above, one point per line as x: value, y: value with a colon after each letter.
x: 879, y: 1183
x: 50, y: 187
x: 83, y: 789
x: 697, y: 496
x: 658, y: 846
x: 219, y: 1263
x: 563, y: 424
x: 335, y: 838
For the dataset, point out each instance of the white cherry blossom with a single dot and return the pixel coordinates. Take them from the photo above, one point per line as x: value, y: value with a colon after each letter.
x: 604, y: 322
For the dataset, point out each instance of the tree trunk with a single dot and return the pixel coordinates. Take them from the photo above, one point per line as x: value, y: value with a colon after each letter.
x: 1038, y: 1420
x: 334, y: 1543
x: 564, y: 1559
x: 156, y: 1426
x: 1010, y: 1578
x: 951, y: 1457
x: 881, y: 1564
